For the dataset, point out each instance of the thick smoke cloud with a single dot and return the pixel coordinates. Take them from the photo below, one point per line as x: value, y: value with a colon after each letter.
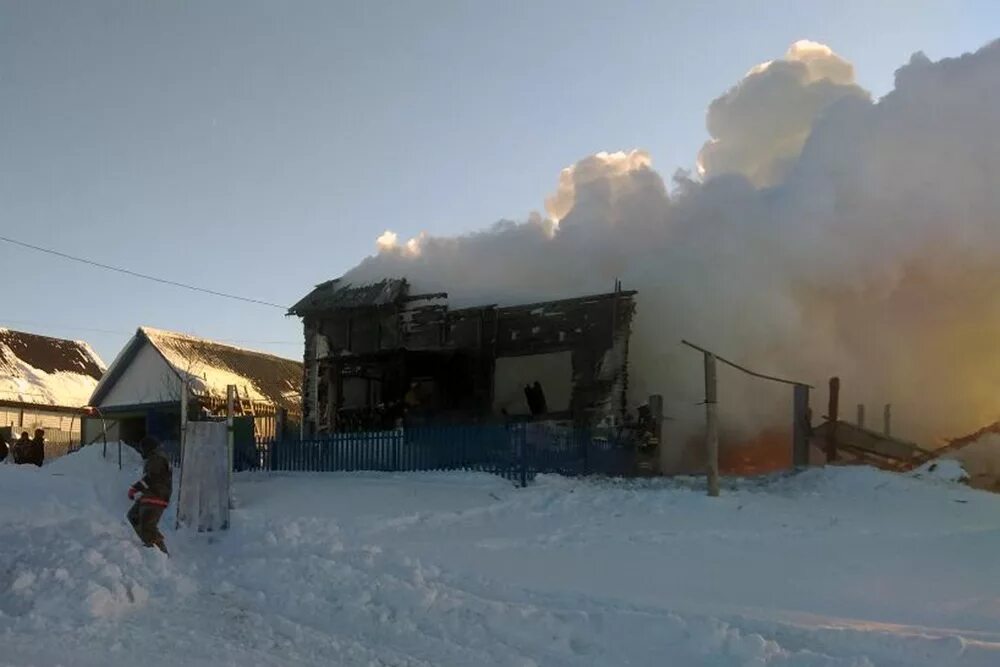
x: 830, y: 234
x: 759, y: 127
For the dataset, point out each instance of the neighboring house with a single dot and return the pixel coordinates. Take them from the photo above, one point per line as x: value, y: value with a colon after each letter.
x: 45, y: 383
x: 376, y: 355
x: 141, y: 392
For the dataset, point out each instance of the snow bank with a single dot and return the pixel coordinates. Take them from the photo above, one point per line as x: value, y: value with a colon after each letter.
x: 982, y: 461
x: 944, y: 470
x: 831, y: 567
x: 67, y: 558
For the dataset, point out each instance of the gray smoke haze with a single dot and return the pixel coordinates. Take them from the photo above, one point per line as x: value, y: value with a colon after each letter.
x: 826, y: 234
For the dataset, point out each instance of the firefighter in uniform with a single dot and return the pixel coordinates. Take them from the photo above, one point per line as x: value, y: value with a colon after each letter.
x: 153, y: 492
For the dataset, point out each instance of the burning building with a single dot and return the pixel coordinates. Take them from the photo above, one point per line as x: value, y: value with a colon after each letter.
x: 377, y: 355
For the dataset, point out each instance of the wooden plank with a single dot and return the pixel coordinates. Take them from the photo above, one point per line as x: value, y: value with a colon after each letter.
x: 832, y: 415
x: 850, y: 435
x: 800, y: 426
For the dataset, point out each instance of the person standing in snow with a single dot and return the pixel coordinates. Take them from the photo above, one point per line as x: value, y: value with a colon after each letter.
x: 37, y: 448
x: 153, y: 492
x: 22, y: 449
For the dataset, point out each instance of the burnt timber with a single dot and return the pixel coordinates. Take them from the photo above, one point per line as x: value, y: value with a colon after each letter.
x: 377, y: 356
x: 855, y: 444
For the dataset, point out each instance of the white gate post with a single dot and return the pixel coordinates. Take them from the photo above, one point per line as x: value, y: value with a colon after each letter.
x: 184, y: 424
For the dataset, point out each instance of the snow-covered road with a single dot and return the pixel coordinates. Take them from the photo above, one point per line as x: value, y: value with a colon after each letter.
x: 829, y: 567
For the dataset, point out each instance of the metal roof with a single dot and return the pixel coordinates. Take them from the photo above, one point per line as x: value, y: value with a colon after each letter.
x: 339, y: 294
x: 46, y: 371
x: 210, y: 366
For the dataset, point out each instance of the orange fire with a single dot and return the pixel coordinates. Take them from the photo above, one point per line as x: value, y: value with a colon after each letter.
x: 769, y: 451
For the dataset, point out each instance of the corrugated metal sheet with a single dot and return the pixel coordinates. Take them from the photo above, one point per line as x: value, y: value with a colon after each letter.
x: 263, y: 376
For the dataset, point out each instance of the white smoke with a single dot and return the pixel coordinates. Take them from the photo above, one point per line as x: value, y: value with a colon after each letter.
x: 759, y: 127
x: 829, y: 235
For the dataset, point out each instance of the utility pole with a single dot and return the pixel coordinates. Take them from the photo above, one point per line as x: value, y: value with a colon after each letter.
x: 711, y: 424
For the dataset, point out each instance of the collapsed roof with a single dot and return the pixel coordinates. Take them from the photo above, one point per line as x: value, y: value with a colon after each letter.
x: 339, y: 294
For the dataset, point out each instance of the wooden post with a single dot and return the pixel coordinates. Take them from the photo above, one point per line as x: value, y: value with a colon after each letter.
x: 800, y: 426
x: 861, y: 415
x: 230, y: 435
x: 332, y: 396
x: 711, y: 425
x: 887, y: 420
x: 653, y: 462
x: 280, y: 421
x: 832, y: 416
x: 656, y: 416
x: 711, y: 415
x: 184, y: 424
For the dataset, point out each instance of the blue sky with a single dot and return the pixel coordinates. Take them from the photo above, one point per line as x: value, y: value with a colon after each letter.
x: 259, y: 148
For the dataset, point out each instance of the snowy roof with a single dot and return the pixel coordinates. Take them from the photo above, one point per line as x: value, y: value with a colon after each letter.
x: 210, y: 366
x: 47, y: 371
x: 336, y: 294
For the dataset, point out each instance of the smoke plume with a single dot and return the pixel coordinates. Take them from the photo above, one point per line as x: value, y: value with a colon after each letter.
x: 826, y: 234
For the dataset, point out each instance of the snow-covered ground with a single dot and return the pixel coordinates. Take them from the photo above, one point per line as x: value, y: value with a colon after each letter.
x: 833, y: 567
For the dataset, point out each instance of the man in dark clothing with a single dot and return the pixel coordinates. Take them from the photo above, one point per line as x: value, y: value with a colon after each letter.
x: 3, y: 449
x: 37, y: 448
x: 22, y: 449
x: 154, y: 491
x: 540, y: 402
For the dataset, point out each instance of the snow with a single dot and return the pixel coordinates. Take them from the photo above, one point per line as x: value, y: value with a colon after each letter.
x: 204, y: 375
x: 981, y: 459
x: 22, y: 382
x: 946, y: 470
x: 830, y: 567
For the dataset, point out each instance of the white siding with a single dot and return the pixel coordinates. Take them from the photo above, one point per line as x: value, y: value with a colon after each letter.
x: 147, y: 379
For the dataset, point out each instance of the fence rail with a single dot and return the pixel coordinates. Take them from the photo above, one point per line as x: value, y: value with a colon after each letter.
x: 516, y: 451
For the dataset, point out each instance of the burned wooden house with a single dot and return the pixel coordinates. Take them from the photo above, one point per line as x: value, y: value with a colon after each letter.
x: 377, y: 356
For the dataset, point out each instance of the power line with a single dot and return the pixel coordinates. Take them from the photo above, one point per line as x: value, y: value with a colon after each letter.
x: 164, y: 281
x: 72, y: 327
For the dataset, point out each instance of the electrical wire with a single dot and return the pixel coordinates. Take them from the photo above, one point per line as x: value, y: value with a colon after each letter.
x: 143, y: 276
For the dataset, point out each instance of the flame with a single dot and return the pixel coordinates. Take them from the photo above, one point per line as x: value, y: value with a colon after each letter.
x: 768, y: 451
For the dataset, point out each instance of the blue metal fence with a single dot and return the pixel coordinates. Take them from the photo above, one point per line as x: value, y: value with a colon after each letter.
x: 516, y: 451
